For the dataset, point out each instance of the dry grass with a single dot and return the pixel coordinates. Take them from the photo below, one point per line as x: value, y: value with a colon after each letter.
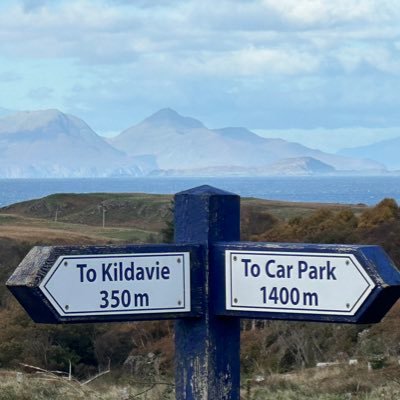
x: 336, y: 383
x: 32, y: 234
x: 286, y: 210
x: 333, y: 383
x: 34, y: 230
x: 19, y: 386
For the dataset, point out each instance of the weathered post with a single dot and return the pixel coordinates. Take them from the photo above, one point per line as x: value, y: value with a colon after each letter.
x: 207, y: 348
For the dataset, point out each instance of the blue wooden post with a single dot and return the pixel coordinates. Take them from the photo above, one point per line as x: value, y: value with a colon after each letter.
x: 207, y: 348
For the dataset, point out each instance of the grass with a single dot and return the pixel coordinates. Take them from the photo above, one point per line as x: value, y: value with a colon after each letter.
x: 9, y: 219
x: 130, y: 235
x: 18, y: 386
x: 36, y: 229
x: 333, y: 383
x: 285, y: 210
x: 337, y: 383
x: 133, y: 218
x: 387, y: 392
x: 121, y: 209
x: 130, y: 217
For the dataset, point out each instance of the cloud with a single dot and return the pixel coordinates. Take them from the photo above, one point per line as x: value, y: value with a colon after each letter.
x: 33, y: 5
x: 262, y: 36
x: 318, y: 13
x: 10, y: 76
x: 145, y: 3
x: 249, y: 62
x: 282, y: 63
x: 381, y: 57
x: 41, y: 93
x: 114, y: 32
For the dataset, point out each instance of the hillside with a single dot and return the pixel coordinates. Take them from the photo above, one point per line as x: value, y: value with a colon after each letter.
x: 300, y: 166
x: 135, y: 210
x: 49, y: 143
x: 385, y: 151
x: 185, y: 144
x: 127, y: 217
x: 125, y: 209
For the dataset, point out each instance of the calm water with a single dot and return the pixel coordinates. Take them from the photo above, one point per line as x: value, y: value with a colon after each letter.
x: 368, y: 190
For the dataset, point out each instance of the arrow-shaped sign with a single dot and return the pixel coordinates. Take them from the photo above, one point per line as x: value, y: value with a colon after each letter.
x: 333, y: 283
x: 110, y: 283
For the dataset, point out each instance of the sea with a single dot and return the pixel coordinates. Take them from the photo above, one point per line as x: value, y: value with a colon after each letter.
x: 334, y: 189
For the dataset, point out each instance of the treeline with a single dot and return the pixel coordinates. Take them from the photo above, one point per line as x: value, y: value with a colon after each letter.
x: 377, y: 225
x: 147, y: 347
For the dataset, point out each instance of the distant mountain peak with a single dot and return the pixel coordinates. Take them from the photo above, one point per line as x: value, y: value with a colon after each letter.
x: 49, y: 114
x: 33, y: 120
x: 169, y: 117
x: 46, y: 125
x: 49, y: 143
x: 304, y: 164
x: 239, y: 133
x: 385, y: 151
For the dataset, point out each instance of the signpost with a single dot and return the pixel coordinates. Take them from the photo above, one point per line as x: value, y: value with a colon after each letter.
x: 307, y: 282
x: 110, y: 283
x: 298, y: 283
x: 207, y: 281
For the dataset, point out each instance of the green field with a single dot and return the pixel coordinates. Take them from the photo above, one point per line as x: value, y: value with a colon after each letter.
x: 128, y: 217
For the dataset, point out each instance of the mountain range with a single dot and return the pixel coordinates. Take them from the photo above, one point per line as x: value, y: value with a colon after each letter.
x: 182, y: 143
x: 385, y: 152
x: 50, y: 143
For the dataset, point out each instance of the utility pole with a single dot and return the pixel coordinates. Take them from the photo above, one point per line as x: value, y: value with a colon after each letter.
x: 104, y: 216
x: 103, y: 210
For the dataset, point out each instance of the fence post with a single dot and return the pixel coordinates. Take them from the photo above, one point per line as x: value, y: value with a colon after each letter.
x: 207, y: 348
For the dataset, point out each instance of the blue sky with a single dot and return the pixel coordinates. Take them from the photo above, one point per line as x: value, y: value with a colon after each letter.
x: 316, y: 71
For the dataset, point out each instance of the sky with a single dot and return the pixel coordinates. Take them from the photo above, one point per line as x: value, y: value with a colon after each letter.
x: 321, y: 72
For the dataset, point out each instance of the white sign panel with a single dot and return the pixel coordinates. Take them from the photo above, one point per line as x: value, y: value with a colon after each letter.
x: 114, y: 284
x: 307, y: 283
